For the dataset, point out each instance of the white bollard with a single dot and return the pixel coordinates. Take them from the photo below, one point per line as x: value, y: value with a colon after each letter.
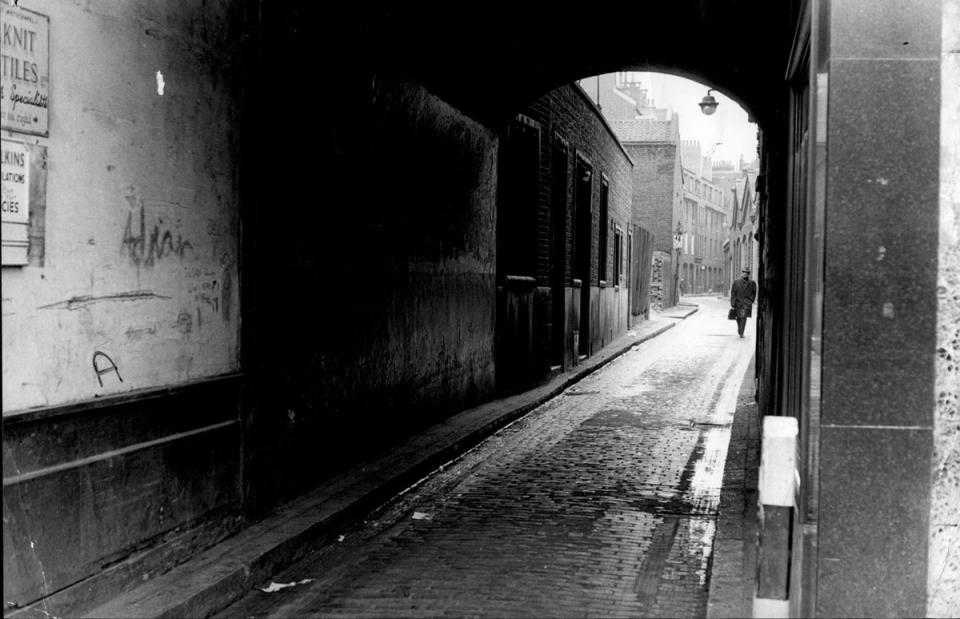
x: 778, y: 461
x: 777, y: 499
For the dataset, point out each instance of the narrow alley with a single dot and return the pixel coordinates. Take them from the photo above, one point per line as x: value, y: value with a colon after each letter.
x: 601, y: 502
x: 340, y: 309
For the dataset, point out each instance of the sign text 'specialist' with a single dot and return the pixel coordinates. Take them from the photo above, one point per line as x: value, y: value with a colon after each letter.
x: 24, y: 54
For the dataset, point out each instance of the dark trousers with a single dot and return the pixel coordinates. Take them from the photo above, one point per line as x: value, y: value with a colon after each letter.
x: 741, y: 320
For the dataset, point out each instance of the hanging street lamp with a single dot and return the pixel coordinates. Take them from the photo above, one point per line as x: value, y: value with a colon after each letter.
x: 709, y: 104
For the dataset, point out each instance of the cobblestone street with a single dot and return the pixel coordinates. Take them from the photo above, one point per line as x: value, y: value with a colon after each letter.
x: 601, y: 502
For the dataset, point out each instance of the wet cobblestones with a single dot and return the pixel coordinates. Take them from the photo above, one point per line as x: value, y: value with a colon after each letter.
x: 601, y: 503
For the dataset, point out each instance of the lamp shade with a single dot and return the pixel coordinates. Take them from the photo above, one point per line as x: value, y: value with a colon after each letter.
x: 709, y: 104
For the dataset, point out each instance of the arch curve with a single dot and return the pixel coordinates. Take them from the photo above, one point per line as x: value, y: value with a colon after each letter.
x: 491, y: 62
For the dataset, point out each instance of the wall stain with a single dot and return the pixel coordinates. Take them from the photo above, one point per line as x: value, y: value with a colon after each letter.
x: 225, y: 294
x: 185, y: 323
x: 139, y: 334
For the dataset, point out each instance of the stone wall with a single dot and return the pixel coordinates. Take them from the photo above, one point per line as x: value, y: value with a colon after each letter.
x: 880, y: 308
x: 943, y: 572
x: 660, y: 280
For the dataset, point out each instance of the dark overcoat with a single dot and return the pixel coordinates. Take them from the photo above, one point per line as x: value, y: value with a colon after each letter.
x: 742, y: 295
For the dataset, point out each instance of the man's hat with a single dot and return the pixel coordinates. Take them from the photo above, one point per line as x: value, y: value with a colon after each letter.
x: 745, y: 270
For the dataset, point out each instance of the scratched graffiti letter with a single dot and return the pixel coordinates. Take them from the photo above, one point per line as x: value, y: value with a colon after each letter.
x: 101, y: 369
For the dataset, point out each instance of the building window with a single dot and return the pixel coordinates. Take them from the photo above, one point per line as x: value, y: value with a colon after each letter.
x: 617, y: 254
x: 583, y: 222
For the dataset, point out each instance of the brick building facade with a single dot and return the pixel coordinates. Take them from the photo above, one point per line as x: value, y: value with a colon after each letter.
x: 564, y: 237
x: 657, y: 195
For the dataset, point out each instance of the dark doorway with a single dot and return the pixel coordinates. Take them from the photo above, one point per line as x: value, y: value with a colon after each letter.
x: 516, y: 208
x: 517, y: 234
x: 583, y: 241
x: 560, y: 161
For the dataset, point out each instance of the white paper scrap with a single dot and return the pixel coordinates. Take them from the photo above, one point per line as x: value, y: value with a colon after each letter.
x: 273, y: 587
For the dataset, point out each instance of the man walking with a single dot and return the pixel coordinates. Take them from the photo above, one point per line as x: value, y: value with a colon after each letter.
x: 742, y: 295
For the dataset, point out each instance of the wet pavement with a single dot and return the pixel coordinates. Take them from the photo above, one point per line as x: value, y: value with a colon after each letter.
x: 601, y: 502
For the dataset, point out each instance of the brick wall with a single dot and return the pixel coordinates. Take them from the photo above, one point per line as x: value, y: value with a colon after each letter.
x: 568, y: 114
x: 656, y: 200
x: 567, y: 111
x: 655, y: 184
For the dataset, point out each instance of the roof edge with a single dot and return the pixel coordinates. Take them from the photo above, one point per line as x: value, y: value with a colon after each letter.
x: 596, y: 112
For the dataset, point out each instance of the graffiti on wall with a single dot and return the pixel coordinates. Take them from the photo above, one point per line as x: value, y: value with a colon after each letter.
x: 207, y: 293
x: 103, y: 364
x: 210, y: 291
x: 147, y: 250
x: 184, y: 323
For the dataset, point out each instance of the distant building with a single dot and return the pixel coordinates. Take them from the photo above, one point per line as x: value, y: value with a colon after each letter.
x: 675, y: 195
x: 734, y: 180
x: 651, y: 136
x: 742, y: 243
x: 622, y: 98
x: 702, y: 224
x: 654, y: 147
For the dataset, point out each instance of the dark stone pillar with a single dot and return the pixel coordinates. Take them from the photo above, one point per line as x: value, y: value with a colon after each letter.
x: 879, y: 311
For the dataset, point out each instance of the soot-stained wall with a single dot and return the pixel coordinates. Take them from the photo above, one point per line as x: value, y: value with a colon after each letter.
x: 379, y: 291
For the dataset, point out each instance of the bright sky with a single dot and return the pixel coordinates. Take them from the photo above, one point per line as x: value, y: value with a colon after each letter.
x: 727, y: 125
